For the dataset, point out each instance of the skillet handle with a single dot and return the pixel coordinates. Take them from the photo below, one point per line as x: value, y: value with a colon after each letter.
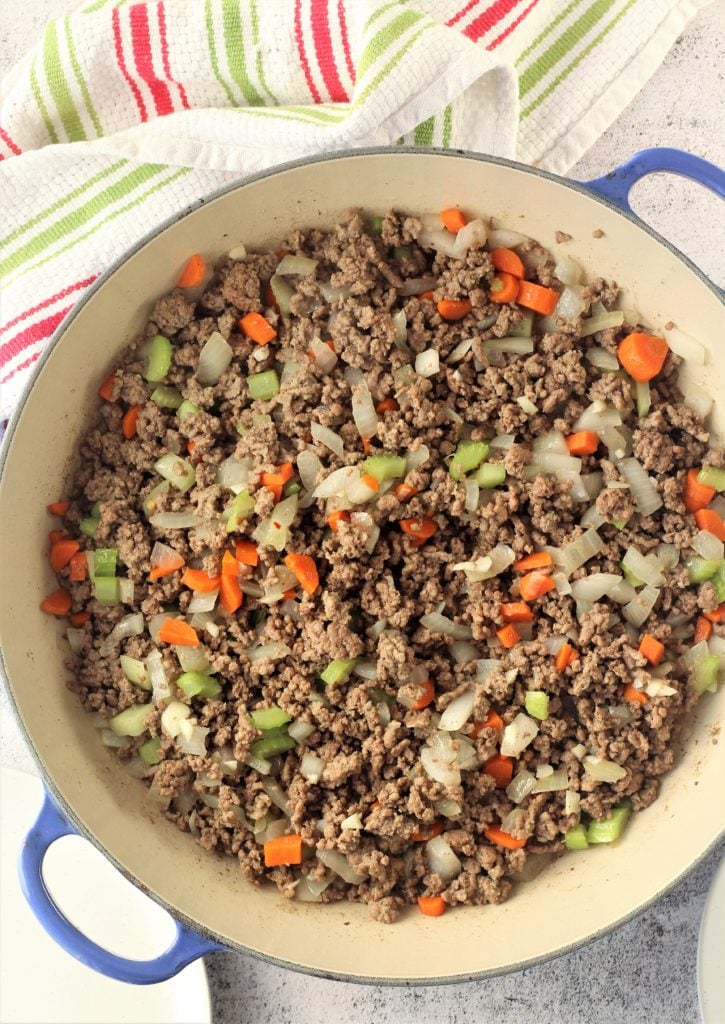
x: 186, y: 947
x: 617, y: 185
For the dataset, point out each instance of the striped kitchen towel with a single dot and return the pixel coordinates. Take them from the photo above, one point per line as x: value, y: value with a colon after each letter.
x: 126, y: 113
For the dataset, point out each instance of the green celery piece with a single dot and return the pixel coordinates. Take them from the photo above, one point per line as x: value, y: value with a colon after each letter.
x: 187, y: 408
x: 338, y: 671
x: 263, y: 386
x: 159, y: 358
x: 705, y: 673
x: 166, y: 397
x: 523, y: 328
x: 106, y: 590
x: 384, y: 467
x: 468, y: 456
x: 537, y: 704
x: 291, y: 487
x: 283, y: 292
x: 89, y: 526
x: 712, y: 477
x: 576, y: 838
x: 149, y: 751
x: 718, y: 582
x: 242, y: 430
x: 376, y: 225
x: 104, y: 562
x: 132, y: 721
x: 178, y: 471
x: 612, y: 827
x: 382, y: 697
x: 239, y: 510
x: 630, y: 577
x: 265, y: 719
x: 149, y: 504
x: 198, y: 684
x: 96, y: 510
x: 135, y: 671
x: 620, y: 524
x: 701, y: 569
x: 490, y: 475
x: 275, y: 742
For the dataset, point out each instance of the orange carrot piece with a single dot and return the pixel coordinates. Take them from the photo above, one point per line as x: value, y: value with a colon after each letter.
x: 370, y: 481
x: 427, y: 295
x: 55, y: 535
x: 427, y: 694
x: 516, y: 611
x: 652, y: 649
x: 420, y: 530
x: 631, y: 694
x: 454, y: 309
x: 387, y: 405
x: 642, y: 355
x: 504, y: 288
x: 453, y: 219
x: 404, y: 491
x: 564, y: 658
x: 708, y: 519
x: 129, y: 421
x: 534, y: 585
x: 257, y: 328
x: 584, y: 442
x: 193, y: 272
x: 494, y: 834
x: 176, y: 631
x: 501, y: 768
x: 78, y: 618
x: 491, y: 721
x: 106, y: 389
x: 166, y: 570
x: 246, y: 552
x: 275, y: 482
x: 230, y: 593
x: 57, y: 603
x: 289, y: 595
x: 535, y: 296
x: 429, y: 832
x: 696, y: 495
x: 703, y: 629
x: 432, y: 906
x: 537, y: 560
x: 367, y: 448
x: 200, y: 581
x: 305, y: 570
x: 230, y: 566
x: 508, y: 635
x: 62, y: 552
x: 269, y: 299
x: 508, y: 261
x: 78, y: 567
x: 58, y: 508
x: 716, y: 616
x: 283, y: 850
x: 335, y: 518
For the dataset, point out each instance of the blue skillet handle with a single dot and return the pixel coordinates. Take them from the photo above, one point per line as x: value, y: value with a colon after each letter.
x: 617, y: 185
x: 186, y: 947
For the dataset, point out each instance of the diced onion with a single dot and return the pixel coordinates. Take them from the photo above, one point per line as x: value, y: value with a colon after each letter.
x: 597, y: 416
x: 463, y: 651
x: 214, y: 359
x: 646, y: 497
x: 353, y: 823
x: 277, y: 795
x: 416, y: 457
x: 273, y: 531
x: 438, y: 623
x: 484, y: 668
x: 595, y: 586
x: 552, y: 462
x: 76, y: 639
x: 192, y: 659
x: 308, y: 466
x: 129, y: 625
x: 439, y: 240
x: 339, y: 864
x: 518, y: 735
x: 175, y: 520
x: 639, y: 608
x: 698, y: 400
x: 323, y: 355
x: 658, y: 688
x: 487, y: 566
x: 472, y: 494
x: 163, y: 557
x: 363, y: 411
x: 439, y: 769
x: 622, y: 592
x: 592, y: 518
x: 461, y: 349
x: 457, y: 713
x: 502, y: 441
x: 551, y: 441
x: 643, y: 567
x: 551, y: 783
x: 310, y: 890
x: 686, y: 347
x: 417, y: 285
x: 603, y: 771
x: 472, y: 234
x: 201, y: 602
x: 503, y: 238
x: 570, y: 304
x: 239, y: 252
x: 441, y: 859
x: 400, y: 329
x: 331, y: 440
x: 233, y: 474
x: 303, y: 266
x: 527, y: 405
x: 516, y: 346
x: 427, y: 363
x: 275, y: 651
x: 572, y: 802
x: 579, y: 551
x: 157, y: 677
x: 192, y: 738
x: 520, y: 786
x: 668, y: 555
x: 311, y: 766
x: 301, y: 731
x: 172, y: 717
x: 602, y: 322
x: 707, y: 545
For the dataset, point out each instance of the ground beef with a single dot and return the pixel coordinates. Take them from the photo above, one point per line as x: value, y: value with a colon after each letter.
x: 353, y: 645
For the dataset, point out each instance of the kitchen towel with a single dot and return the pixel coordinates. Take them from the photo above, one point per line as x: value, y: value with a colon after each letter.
x: 127, y: 113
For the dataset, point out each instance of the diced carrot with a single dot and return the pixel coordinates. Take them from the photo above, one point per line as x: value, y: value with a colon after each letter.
x: 269, y: 300
x: 387, y: 405
x: 696, y: 496
x: 367, y: 448
x: 283, y: 850
x: 257, y: 328
x: 281, y: 253
x: 631, y: 694
x: 374, y: 805
x: 106, y: 388
x: 176, y: 631
x: 57, y: 603
x: 432, y: 906
x: 55, y: 535
x: 584, y: 442
x: 230, y: 593
x: 130, y: 418
x: 703, y: 629
x: 508, y: 635
x: 61, y: 553
x: 200, y: 581
x: 230, y: 566
x: 652, y: 649
x: 404, y: 492
x: 534, y: 585
x: 426, y: 696
x: 78, y: 618
x: 427, y: 295
x: 305, y: 570
x: 246, y: 552
x: 516, y: 611
x: 193, y: 272
x: 535, y: 296
x: 537, y: 560
x: 171, y: 565
x: 642, y: 355
x: 429, y: 832
x: 275, y: 482
x: 335, y: 518
x: 78, y: 567
x: 494, y: 834
x: 501, y: 768
x: 718, y: 615
x: 289, y: 595
x: 191, y: 446
x: 420, y: 530
x: 564, y: 658
x: 504, y: 288
x: 58, y: 508
x: 708, y: 519
x: 370, y: 481
x: 453, y: 219
x: 508, y: 261
x: 454, y: 309
x: 491, y: 721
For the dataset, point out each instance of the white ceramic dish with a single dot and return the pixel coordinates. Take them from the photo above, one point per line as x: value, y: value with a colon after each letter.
x: 710, y: 949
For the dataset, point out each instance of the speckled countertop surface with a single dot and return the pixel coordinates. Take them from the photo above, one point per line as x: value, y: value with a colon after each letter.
x: 644, y: 972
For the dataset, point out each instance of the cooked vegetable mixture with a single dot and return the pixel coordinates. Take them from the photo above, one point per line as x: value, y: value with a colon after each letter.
x: 394, y: 559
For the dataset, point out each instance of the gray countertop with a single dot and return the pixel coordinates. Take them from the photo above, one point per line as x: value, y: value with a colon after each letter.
x: 643, y: 972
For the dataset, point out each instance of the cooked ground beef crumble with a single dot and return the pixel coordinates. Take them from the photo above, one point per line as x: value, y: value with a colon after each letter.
x: 376, y: 786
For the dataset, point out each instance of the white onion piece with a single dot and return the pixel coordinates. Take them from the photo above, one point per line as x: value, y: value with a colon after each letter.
x: 463, y: 651
x: 567, y: 269
x: 527, y: 405
x: 552, y: 462
x: 554, y: 644
x: 201, y: 602
x: 472, y: 494
x: 503, y: 238
x: 438, y: 623
x: 358, y: 492
x: 457, y: 713
x: 698, y: 400
x: 657, y: 688
x: 597, y: 416
x: 561, y: 582
x: 323, y: 355
x: 339, y: 864
x: 551, y: 441
x: 643, y: 567
x: 439, y: 240
x: 76, y: 639
x: 163, y: 557
x: 621, y: 713
x: 518, y: 735
x: 175, y: 520
x: 668, y: 555
x: 110, y: 739
x: 484, y: 668
x: 520, y: 786
x: 551, y: 783
x: 416, y: 457
x: 645, y: 494
x: 572, y: 802
x: 301, y: 731
x: 502, y: 441
x: 312, y: 767
x: 638, y: 609
x: 172, y: 717
x: 594, y: 587
x: 310, y: 890
x: 515, y: 346
x: 427, y: 363
x: 192, y: 738
x: 461, y: 349
x: 707, y: 546
x: 332, y: 294
x: 438, y: 770
x: 239, y: 252
x: 129, y: 625
x: 448, y: 808
x: 277, y: 795
x: 570, y: 304
x: 592, y: 518
x: 303, y: 266
x: 274, y: 650
x: 487, y: 566
x: 599, y: 357
x: 377, y: 628
x: 353, y: 823
x: 603, y: 771
x: 308, y: 467
x: 273, y: 532
x: 472, y: 234
x: 363, y: 410
x: 233, y: 474
x: 416, y: 285
x: 617, y: 443
x: 192, y: 659
x: 366, y: 669
x: 513, y: 821
x: 622, y: 592
x: 685, y: 346
x: 579, y: 551
x: 441, y: 859
x: 214, y: 359
x: 331, y: 440
x: 157, y: 677
x: 400, y: 329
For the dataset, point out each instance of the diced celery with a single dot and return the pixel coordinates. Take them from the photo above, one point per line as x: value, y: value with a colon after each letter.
x: 283, y: 292
x: 629, y: 576
x: 158, y: 362
x: 166, y: 397
x: 106, y: 590
x: 96, y: 510
x: 104, y: 562
x: 576, y: 838
x: 644, y: 399
x: 239, y: 510
x: 701, y: 569
x: 132, y: 721
x: 376, y: 225
x: 178, y: 471
x: 490, y: 475
x: 149, y: 751
x: 275, y: 742
x: 612, y: 827
x: 269, y: 718
x: 468, y: 456
x: 89, y: 526
x: 135, y: 671
x: 537, y: 704
x: 291, y: 487
x: 149, y: 503
x: 384, y: 467
x: 523, y: 328
x: 338, y: 671
x: 712, y: 477
x: 263, y: 386
x: 619, y: 523
x: 705, y: 672
x: 718, y: 582
x: 198, y: 684
x: 187, y: 408
x: 242, y: 430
